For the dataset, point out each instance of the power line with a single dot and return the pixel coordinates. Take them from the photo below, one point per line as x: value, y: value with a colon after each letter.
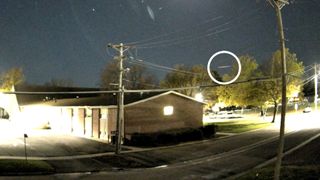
x: 173, y: 32
x: 202, y: 86
x: 179, y: 40
x: 138, y: 90
x: 171, y: 41
x: 147, y: 84
x: 142, y: 62
x: 56, y: 93
x: 307, y: 81
x: 144, y: 65
x: 299, y: 72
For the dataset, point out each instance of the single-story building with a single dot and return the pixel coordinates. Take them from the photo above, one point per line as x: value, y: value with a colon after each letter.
x: 95, y: 116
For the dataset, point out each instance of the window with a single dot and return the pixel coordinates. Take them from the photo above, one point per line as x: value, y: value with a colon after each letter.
x: 168, y: 110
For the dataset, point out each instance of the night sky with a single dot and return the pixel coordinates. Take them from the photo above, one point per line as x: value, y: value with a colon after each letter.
x: 67, y: 39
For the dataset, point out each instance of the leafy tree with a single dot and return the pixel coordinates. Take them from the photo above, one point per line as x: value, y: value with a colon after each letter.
x: 242, y: 94
x: 134, y: 77
x: 185, y: 76
x: 272, y: 89
x: 11, y: 77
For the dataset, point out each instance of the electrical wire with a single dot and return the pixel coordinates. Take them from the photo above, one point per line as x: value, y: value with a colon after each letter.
x: 173, y: 32
x: 147, y: 84
x: 137, y: 90
x: 191, y: 37
x: 56, y: 93
x: 142, y: 62
x: 139, y: 64
x: 295, y: 73
x: 201, y: 86
x: 181, y: 40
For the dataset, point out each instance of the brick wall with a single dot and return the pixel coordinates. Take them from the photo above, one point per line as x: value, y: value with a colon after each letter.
x: 112, y: 121
x: 96, y: 123
x: 81, y: 116
x: 148, y: 116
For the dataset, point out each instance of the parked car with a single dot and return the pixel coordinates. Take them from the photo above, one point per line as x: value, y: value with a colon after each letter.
x: 307, y: 110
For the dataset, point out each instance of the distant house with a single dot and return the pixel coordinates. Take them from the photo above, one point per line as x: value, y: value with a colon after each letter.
x: 94, y: 116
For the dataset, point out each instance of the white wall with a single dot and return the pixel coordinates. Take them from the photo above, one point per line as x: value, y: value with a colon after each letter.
x: 10, y: 104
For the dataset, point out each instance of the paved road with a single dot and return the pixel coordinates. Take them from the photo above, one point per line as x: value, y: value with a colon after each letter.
x: 214, y: 167
x: 204, y: 160
x: 218, y: 166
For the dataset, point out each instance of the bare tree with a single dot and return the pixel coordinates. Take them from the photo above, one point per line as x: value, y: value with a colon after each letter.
x: 135, y: 77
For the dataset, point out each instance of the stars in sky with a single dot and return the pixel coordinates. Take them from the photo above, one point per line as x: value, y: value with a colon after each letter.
x: 67, y: 39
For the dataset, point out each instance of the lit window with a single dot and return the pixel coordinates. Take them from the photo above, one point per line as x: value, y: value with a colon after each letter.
x: 168, y: 110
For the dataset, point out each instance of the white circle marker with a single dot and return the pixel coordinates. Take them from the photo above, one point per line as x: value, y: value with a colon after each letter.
x: 209, y: 63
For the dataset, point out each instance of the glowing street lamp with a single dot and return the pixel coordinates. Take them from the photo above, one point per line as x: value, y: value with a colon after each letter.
x: 199, y: 97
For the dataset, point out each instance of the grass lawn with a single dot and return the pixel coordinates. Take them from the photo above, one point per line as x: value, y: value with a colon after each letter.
x: 239, y: 126
x: 8, y: 167
x: 287, y: 172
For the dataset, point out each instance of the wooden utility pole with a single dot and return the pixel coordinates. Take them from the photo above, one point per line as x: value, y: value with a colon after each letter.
x: 278, y: 5
x: 120, y: 106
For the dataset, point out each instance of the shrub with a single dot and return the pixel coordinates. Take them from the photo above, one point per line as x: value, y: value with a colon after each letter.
x: 166, y: 138
x: 170, y: 137
x: 189, y: 134
x: 142, y: 139
x: 209, y: 131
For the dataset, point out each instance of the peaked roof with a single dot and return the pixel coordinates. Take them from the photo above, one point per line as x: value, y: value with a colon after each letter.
x: 103, y: 100
x: 109, y: 99
x: 163, y: 94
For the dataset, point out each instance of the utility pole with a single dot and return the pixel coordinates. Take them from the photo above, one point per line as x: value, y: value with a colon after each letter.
x: 120, y: 106
x: 315, y: 88
x: 278, y: 5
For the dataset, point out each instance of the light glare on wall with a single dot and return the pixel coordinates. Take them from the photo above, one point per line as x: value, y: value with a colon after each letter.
x: 168, y: 110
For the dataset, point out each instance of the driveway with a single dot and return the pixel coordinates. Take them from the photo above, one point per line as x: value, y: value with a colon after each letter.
x: 43, y: 143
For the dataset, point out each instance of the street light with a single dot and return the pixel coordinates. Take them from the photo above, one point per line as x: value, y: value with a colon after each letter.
x: 199, y: 97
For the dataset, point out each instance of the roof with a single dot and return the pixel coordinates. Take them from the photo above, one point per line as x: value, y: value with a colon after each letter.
x: 24, y: 99
x: 103, y: 100
x: 109, y: 99
x: 163, y: 94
